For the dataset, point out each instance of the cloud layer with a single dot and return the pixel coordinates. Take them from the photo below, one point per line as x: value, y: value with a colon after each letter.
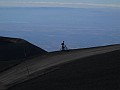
x: 56, y: 4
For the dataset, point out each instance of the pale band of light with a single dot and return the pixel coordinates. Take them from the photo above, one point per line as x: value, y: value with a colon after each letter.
x: 56, y: 4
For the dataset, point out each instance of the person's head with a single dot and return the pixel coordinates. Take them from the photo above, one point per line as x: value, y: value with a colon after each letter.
x: 63, y: 41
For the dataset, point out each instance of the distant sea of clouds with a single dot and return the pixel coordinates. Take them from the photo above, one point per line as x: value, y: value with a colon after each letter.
x: 48, y: 27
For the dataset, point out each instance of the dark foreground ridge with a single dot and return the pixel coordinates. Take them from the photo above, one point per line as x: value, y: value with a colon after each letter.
x: 98, y: 72
x: 25, y: 66
x: 13, y: 50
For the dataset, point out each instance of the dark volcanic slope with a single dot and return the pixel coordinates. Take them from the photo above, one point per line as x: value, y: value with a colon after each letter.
x: 99, y: 72
x: 14, y: 49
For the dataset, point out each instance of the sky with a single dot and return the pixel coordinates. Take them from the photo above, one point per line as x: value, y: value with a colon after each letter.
x: 61, y: 3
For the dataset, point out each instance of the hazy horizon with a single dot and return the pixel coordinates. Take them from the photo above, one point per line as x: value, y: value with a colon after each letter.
x: 61, y: 3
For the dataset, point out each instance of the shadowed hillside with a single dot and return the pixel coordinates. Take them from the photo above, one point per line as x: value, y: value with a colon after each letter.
x: 98, y: 72
x: 24, y: 66
x: 13, y: 50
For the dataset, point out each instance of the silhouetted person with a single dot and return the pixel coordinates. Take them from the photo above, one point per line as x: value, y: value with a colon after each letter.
x: 63, y: 45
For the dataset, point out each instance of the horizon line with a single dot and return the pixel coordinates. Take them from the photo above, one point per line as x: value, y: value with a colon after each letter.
x: 57, y: 4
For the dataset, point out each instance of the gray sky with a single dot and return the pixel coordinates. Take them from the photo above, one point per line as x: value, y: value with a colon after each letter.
x: 61, y: 3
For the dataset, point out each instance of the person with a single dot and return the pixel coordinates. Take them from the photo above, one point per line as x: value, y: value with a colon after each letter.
x: 63, y: 45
